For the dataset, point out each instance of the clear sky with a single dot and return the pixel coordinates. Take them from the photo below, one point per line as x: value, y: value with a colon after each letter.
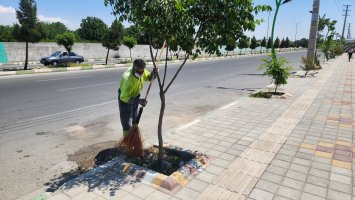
x: 71, y: 12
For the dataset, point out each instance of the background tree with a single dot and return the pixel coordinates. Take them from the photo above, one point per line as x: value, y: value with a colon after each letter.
x: 138, y: 33
x: 6, y: 34
x: 243, y: 43
x: 112, y: 39
x: 277, y: 43
x: 253, y: 44
x: 29, y: 31
x: 287, y: 43
x: 51, y: 30
x: 282, y: 44
x: 92, y: 29
x: 130, y: 42
x: 269, y: 44
x: 262, y: 44
x: 230, y: 46
x: 66, y: 39
x: 184, y: 25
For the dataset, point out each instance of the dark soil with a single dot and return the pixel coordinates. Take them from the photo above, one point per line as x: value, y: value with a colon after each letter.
x: 173, y: 159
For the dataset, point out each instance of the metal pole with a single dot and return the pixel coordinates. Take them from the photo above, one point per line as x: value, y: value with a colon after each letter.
x: 346, y: 15
x: 296, y: 30
x: 268, y: 20
x: 312, y: 40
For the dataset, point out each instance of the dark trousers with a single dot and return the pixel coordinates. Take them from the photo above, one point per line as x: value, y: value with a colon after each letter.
x: 128, y: 113
x: 350, y: 55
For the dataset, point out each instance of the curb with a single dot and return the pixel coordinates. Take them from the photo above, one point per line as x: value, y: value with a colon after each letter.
x: 48, y: 70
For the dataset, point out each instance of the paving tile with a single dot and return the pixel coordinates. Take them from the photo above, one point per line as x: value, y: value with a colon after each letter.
x: 197, y: 185
x: 319, y: 173
x: 59, y: 196
x: 342, y: 171
x: 206, y: 177
x: 341, y: 164
x: 214, y: 169
x: 261, y: 194
x: 341, y: 187
x: 325, y: 149
x: 315, y: 180
x: 158, y: 195
x: 296, y: 175
x: 306, y: 196
x: 344, y: 143
x: 276, y: 170
x: 87, y: 196
x: 299, y: 168
x: 289, y: 193
x: 187, y: 193
x: 343, y: 158
x: 228, y: 157
x: 323, y: 154
x: 271, y: 177
x: 221, y: 163
x: 322, y: 166
x: 280, y: 163
x: 143, y: 191
x: 343, y: 153
x: 301, y: 162
x: 343, y: 147
x: 292, y: 183
x: 267, y: 186
x: 340, y: 178
x: 335, y: 195
x: 308, y: 146
x: 130, y: 197
x: 315, y: 190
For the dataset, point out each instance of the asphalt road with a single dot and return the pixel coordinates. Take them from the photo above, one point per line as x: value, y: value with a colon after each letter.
x: 44, y: 118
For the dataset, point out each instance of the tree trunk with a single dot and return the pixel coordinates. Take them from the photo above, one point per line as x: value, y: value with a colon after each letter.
x: 156, y: 54
x: 275, y: 89
x: 160, y: 128
x: 26, y: 59
x: 227, y: 53
x: 130, y: 54
x: 108, y: 51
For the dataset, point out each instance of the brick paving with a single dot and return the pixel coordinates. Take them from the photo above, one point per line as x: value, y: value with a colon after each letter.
x: 296, y: 148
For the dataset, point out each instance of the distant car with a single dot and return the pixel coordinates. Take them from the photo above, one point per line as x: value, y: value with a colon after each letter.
x: 59, y: 57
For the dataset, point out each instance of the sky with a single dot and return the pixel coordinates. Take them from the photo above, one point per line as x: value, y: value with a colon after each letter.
x: 71, y: 12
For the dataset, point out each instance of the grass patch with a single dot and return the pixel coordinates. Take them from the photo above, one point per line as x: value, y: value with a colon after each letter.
x: 59, y: 69
x: 109, y: 66
x: 20, y: 72
x: 86, y: 67
x: 261, y: 94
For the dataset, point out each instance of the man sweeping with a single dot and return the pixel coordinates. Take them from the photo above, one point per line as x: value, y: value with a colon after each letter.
x: 129, y: 93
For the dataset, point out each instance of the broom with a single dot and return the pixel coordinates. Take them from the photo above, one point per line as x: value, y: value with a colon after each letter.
x: 133, y: 143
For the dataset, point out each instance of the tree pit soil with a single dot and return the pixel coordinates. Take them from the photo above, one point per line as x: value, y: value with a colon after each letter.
x: 98, y: 154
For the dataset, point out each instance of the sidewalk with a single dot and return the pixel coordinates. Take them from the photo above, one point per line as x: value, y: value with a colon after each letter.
x: 297, y: 148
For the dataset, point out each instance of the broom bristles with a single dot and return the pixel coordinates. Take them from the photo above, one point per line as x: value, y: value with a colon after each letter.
x: 132, y: 143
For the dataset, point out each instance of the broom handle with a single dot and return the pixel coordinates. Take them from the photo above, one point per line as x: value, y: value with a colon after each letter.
x: 150, y: 85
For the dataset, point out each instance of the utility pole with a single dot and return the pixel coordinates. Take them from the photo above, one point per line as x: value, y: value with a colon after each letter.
x: 312, y: 40
x: 268, y: 19
x: 345, y: 17
x: 296, y: 30
x: 349, y: 32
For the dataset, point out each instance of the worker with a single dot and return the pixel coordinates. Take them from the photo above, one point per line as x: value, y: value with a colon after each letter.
x: 350, y: 53
x: 131, y: 85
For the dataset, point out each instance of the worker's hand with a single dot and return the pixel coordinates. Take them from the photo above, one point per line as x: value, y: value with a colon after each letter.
x: 153, y: 74
x: 143, y: 102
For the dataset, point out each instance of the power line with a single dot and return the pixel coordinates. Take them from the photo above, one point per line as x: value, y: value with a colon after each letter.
x: 345, y: 17
x: 337, y: 4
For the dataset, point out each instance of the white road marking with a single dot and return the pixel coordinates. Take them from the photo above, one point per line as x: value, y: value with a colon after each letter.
x: 61, y: 78
x: 200, y: 70
x: 74, y: 88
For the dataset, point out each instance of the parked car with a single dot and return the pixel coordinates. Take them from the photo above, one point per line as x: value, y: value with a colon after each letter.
x: 59, y: 57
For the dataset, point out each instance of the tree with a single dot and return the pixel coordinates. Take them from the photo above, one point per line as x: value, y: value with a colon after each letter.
x: 186, y: 24
x: 287, y: 43
x: 92, y: 29
x: 66, y: 39
x: 130, y: 42
x: 138, y: 33
x: 112, y: 39
x: 274, y: 67
x: 51, y: 30
x: 253, y: 44
x: 277, y: 43
x: 263, y: 44
x: 230, y: 46
x: 243, y: 43
x: 269, y: 44
x: 29, y: 31
x: 6, y: 34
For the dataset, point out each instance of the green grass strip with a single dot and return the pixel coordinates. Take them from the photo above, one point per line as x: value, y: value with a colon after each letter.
x: 20, y: 72
x: 59, y: 69
x: 86, y: 67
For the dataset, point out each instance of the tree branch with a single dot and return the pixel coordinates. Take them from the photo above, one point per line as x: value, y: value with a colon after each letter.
x: 166, y: 64
x: 177, y: 72
x: 154, y: 64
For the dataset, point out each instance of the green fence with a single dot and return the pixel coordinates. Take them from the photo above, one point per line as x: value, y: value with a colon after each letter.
x: 3, y: 56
